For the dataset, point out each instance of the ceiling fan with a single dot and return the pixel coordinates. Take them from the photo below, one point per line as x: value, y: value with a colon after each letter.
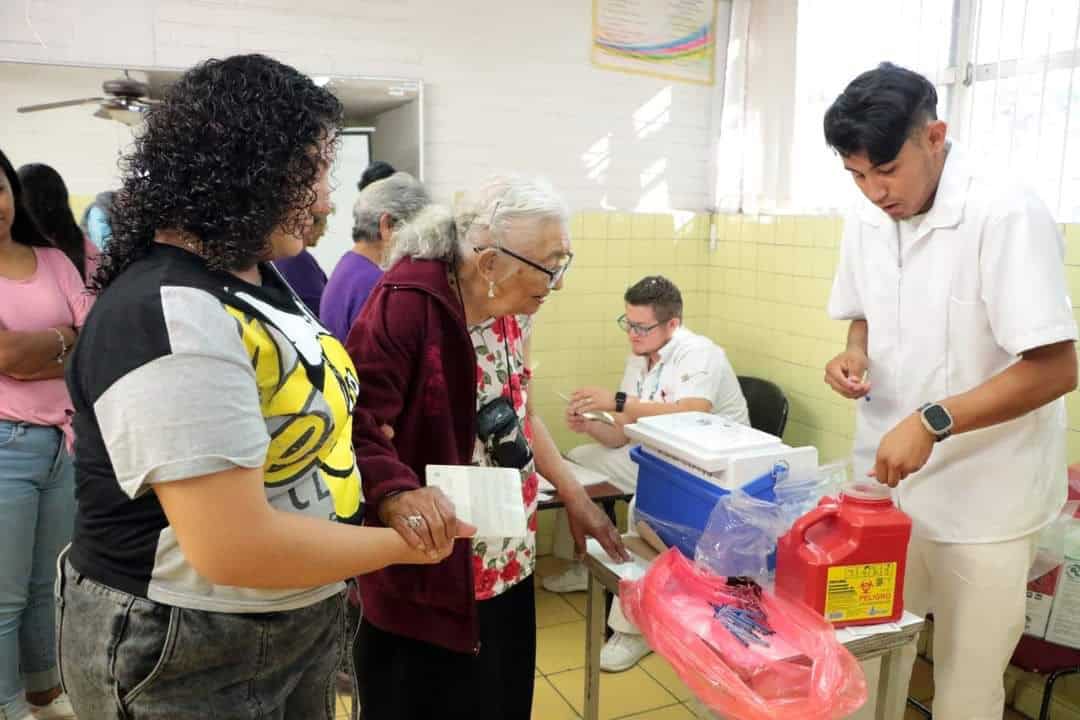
x: 124, y: 99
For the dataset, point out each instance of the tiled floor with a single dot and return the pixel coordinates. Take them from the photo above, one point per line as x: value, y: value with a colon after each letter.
x: 650, y: 691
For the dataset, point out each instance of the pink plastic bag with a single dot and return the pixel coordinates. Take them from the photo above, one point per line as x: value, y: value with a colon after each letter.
x: 745, y: 653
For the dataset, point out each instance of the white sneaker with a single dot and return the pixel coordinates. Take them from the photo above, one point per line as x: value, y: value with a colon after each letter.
x: 622, y: 651
x: 59, y: 709
x: 574, y: 579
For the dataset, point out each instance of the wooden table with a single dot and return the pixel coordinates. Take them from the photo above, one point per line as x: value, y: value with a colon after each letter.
x: 888, y: 645
x: 605, y: 493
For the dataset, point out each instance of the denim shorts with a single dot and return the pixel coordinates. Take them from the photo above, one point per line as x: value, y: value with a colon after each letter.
x: 127, y: 658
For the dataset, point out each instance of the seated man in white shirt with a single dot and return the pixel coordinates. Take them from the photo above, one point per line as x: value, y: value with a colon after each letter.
x: 671, y: 370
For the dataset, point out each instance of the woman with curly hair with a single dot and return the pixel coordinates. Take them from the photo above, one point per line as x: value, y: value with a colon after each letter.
x: 43, y: 302
x: 213, y: 417
x: 46, y: 197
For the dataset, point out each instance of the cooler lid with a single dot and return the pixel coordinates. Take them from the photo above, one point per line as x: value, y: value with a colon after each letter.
x: 703, y: 439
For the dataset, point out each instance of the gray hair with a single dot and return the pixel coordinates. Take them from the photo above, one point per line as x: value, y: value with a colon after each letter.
x: 503, y: 201
x: 400, y: 196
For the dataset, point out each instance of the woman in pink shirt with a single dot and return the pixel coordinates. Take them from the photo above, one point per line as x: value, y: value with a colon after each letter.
x: 43, y: 302
x: 45, y: 197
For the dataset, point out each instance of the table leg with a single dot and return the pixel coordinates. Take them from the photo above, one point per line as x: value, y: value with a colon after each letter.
x: 609, y: 510
x: 892, y: 685
x: 594, y: 640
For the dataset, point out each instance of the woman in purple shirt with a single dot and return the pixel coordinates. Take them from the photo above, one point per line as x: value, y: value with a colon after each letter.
x: 378, y: 209
x: 303, y: 272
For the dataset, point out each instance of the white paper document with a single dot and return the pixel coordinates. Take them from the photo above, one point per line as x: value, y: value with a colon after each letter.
x: 487, y: 497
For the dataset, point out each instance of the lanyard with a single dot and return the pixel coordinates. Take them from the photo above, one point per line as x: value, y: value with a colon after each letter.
x: 656, y: 387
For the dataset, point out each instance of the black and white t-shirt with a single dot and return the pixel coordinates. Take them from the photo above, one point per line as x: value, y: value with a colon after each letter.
x: 181, y: 372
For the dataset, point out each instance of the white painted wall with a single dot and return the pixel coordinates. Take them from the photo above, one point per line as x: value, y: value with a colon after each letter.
x: 396, y: 139
x: 508, y: 85
x: 84, y: 149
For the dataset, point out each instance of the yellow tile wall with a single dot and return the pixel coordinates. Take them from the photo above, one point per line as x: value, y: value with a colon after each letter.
x: 760, y: 293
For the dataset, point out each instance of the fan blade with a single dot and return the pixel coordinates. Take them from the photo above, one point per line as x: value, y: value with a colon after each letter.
x: 64, y: 103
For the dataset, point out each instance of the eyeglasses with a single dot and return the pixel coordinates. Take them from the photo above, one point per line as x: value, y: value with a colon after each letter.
x: 636, y: 329
x: 555, y: 275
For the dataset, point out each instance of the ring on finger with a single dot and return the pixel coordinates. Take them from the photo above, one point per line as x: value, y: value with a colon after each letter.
x: 414, y: 521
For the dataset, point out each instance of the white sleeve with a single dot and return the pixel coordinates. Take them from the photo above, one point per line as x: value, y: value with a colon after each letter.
x: 1022, y: 274
x: 704, y: 373
x: 845, y: 303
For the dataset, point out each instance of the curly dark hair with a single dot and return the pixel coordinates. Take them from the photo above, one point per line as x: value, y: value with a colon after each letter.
x: 46, y: 197
x: 231, y: 154
x: 23, y: 228
x: 657, y: 292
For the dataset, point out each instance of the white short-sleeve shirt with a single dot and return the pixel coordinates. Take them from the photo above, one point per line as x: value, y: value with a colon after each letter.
x: 950, y: 301
x: 690, y: 366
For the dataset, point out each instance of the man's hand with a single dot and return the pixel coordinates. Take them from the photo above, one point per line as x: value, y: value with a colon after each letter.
x: 903, y: 451
x: 592, y: 399
x: 575, y: 421
x: 845, y: 372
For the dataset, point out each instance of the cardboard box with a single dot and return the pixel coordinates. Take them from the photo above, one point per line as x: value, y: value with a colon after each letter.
x: 1040, y: 601
x: 1064, y: 626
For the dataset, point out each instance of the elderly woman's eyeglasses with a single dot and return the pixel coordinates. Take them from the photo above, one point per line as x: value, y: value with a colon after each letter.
x: 555, y: 274
x: 636, y: 329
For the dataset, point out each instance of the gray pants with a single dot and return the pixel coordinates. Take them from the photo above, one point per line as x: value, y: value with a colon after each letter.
x: 127, y: 658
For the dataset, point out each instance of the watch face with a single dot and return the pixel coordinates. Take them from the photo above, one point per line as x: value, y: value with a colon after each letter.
x: 938, y: 418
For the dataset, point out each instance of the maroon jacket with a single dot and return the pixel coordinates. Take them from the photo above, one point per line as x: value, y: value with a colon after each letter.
x: 417, y: 370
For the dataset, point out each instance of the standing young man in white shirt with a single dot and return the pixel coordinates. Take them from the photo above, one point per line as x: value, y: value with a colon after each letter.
x: 670, y: 370
x: 959, y: 352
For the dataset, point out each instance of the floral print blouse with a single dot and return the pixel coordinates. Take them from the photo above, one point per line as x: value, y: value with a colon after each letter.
x: 501, y: 563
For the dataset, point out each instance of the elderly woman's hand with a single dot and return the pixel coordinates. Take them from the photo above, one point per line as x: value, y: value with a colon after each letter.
x: 588, y: 520
x: 426, y: 520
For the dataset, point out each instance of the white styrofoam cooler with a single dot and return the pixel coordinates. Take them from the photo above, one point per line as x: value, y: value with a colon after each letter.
x: 724, y: 453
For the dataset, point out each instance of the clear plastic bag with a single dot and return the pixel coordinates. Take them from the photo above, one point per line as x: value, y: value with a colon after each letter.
x: 741, y: 536
x: 799, y: 494
x: 682, y: 537
x: 745, y: 653
x: 1050, y: 551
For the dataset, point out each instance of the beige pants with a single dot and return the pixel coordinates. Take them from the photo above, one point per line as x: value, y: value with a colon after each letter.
x: 977, y: 595
x: 616, y: 464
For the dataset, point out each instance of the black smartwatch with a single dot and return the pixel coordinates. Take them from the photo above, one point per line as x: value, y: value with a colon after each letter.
x: 937, y: 420
x: 620, y: 401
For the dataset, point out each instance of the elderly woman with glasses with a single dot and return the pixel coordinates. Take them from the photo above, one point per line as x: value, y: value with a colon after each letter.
x: 442, y: 353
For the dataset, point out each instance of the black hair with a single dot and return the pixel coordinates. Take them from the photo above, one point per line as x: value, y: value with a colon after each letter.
x: 659, y: 293
x: 45, y: 196
x: 103, y: 201
x: 878, y: 111
x: 23, y: 228
x: 229, y: 155
x: 375, y: 171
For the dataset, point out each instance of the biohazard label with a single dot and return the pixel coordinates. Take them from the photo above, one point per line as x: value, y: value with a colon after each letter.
x: 860, y: 592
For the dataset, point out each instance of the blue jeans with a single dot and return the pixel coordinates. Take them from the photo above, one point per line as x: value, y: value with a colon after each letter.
x: 37, y: 509
x: 124, y: 657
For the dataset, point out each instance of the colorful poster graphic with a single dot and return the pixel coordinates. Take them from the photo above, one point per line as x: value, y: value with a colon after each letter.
x: 674, y: 39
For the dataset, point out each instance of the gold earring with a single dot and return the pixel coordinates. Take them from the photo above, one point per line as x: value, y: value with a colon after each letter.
x: 491, y: 289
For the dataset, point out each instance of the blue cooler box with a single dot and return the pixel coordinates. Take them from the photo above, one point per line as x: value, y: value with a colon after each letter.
x: 673, y: 495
